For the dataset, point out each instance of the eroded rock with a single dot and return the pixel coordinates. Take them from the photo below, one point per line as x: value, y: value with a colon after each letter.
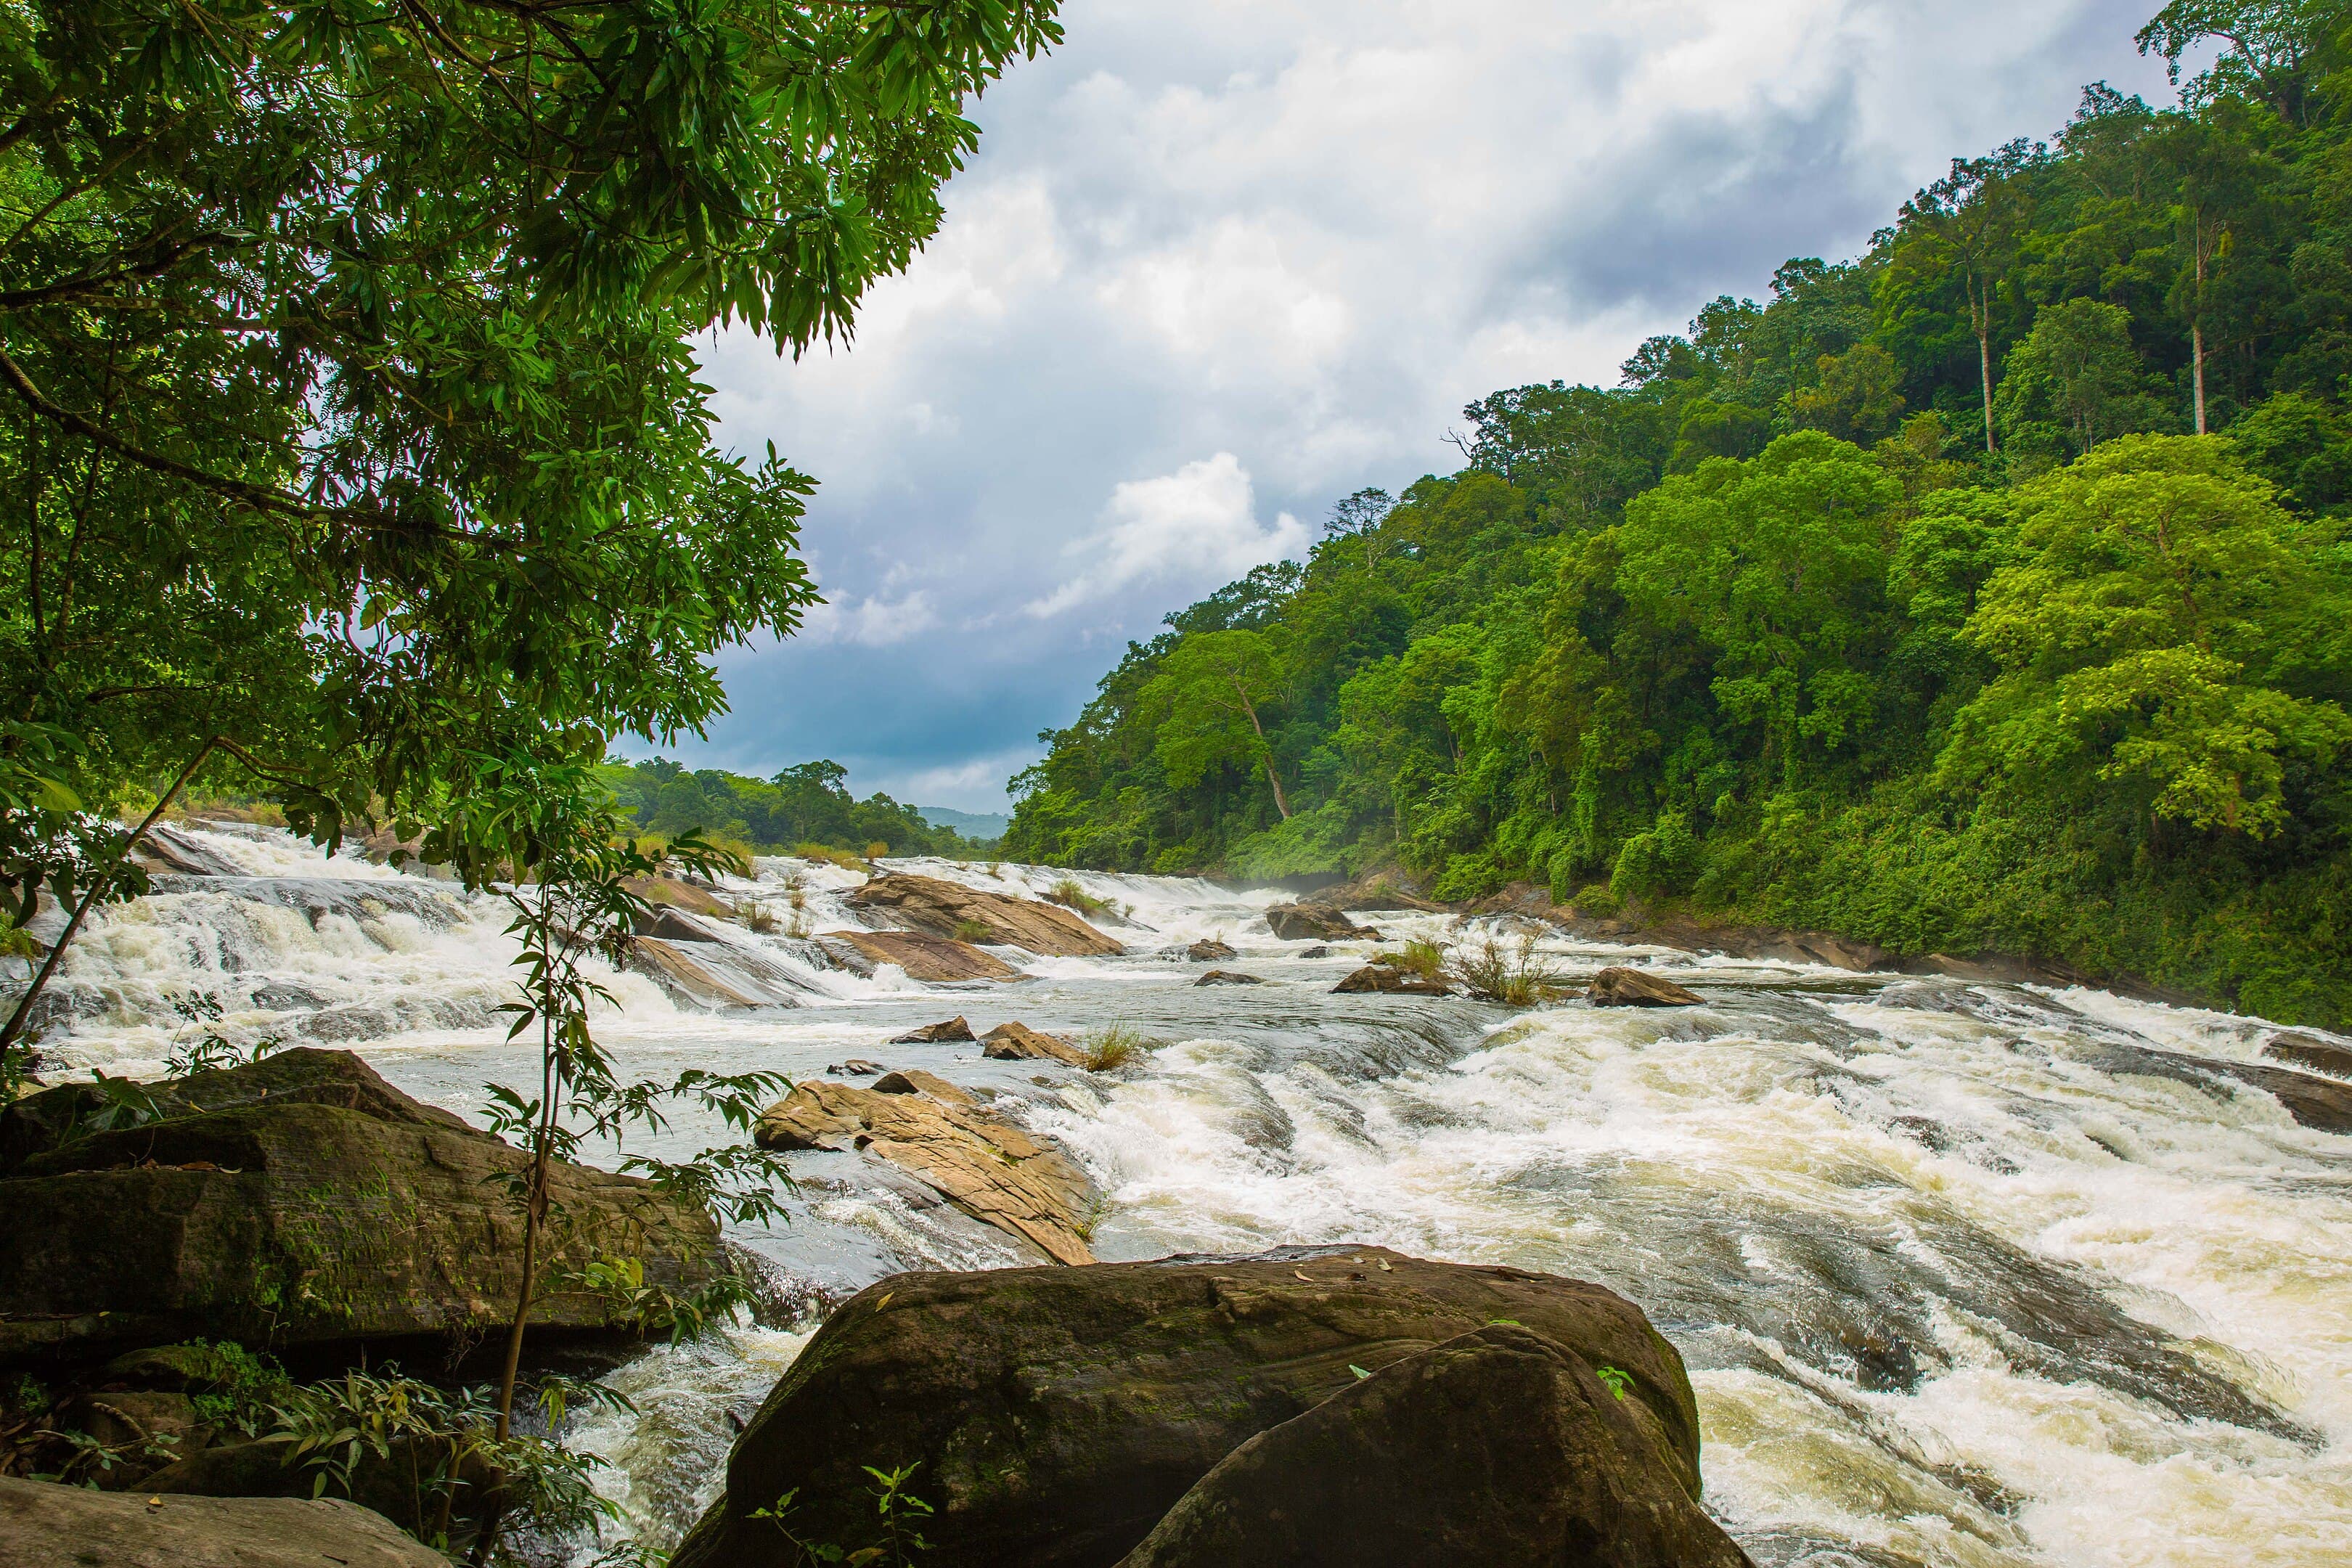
x: 936, y: 905
x: 43, y: 1525
x: 1620, y: 987
x: 984, y: 1166
x: 1388, y: 978
x: 935, y: 1034
x: 1499, y: 1448
x: 1228, y: 977
x: 1018, y: 1042
x: 297, y: 1201
x: 1208, y: 950
x: 2311, y: 1054
x: 930, y: 959
x: 1059, y: 1414
x: 1316, y: 922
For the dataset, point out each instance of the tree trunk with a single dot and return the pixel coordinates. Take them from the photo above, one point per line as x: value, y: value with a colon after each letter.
x: 2197, y: 344
x: 1984, y: 367
x: 1280, y: 804
x: 535, y: 1204
x: 1274, y: 779
x: 99, y: 884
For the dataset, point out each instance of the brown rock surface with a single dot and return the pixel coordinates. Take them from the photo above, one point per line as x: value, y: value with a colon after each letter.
x: 1058, y: 1413
x: 719, y: 974
x: 1019, y: 1042
x: 1388, y: 978
x: 934, y: 904
x: 1379, y: 891
x: 301, y: 1200
x: 985, y: 1166
x: 1496, y: 1449
x: 2311, y: 1054
x: 1208, y: 950
x: 47, y: 1526
x: 930, y: 959
x: 672, y: 892
x: 935, y: 1034
x: 1620, y: 987
x: 1228, y: 977
x: 1315, y: 922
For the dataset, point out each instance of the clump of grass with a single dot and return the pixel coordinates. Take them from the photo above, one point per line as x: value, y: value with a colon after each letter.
x: 757, y: 917
x: 1067, y: 893
x: 1107, y: 1050
x: 875, y: 850
x: 1419, y: 956
x: 798, y: 896
x: 843, y: 858
x: 996, y: 869
x: 1510, y: 974
x: 973, y: 931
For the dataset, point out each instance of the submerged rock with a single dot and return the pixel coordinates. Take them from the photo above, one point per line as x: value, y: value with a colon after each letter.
x: 1618, y: 987
x: 1318, y: 951
x: 935, y: 1034
x: 1057, y: 1413
x: 43, y: 1525
x: 707, y: 973
x: 1016, y: 1041
x: 1320, y: 923
x: 1496, y: 1449
x: 985, y: 1166
x: 1228, y: 977
x: 934, y: 904
x: 1389, y: 978
x: 930, y: 959
x: 1208, y: 950
x: 2311, y: 1054
x: 297, y: 1201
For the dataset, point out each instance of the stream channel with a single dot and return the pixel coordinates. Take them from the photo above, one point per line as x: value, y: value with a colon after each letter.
x: 1959, y: 1280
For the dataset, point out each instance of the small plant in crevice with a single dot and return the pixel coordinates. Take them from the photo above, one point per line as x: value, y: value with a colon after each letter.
x: 1070, y: 895
x: 1419, y: 956
x: 1108, y: 1050
x: 1509, y: 972
x: 974, y: 931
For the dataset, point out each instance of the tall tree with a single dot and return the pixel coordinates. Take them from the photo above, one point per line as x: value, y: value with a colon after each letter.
x: 1210, y: 695
x: 1966, y: 226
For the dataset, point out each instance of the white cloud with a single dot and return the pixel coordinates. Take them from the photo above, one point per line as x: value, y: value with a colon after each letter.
x: 1199, y: 523
x: 870, y: 622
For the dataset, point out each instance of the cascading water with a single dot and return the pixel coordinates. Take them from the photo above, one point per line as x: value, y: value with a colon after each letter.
x: 1960, y: 1278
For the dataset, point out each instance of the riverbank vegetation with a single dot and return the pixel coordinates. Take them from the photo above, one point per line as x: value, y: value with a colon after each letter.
x: 1987, y: 591
x: 806, y: 805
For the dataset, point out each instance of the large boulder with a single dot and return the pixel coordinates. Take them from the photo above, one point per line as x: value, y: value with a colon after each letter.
x: 1316, y: 922
x: 933, y: 959
x: 1057, y: 1413
x: 983, y: 1164
x: 1208, y: 950
x: 1496, y: 1449
x: 951, y: 909
x: 44, y: 1525
x: 1016, y: 1041
x: 952, y: 1029
x: 299, y: 1200
x: 1388, y: 978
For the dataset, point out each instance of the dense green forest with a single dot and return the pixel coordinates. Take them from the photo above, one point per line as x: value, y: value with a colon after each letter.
x: 803, y: 804
x: 1987, y: 591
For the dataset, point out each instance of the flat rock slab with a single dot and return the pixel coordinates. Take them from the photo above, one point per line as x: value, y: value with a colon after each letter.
x: 704, y: 973
x: 934, y: 904
x: 1057, y: 1413
x: 1228, y: 977
x: 2308, y: 1053
x: 1017, y: 1042
x: 1316, y: 922
x: 1496, y: 1449
x: 1389, y: 979
x: 924, y: 957
x: 297, y: 1201
x: 984, y: 1166
x: 48, y: 1526
x: 1618, y: 987
x: 935, y: 1034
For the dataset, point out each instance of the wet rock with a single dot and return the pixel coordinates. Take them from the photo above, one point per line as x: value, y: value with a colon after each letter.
x: 985, y: 1166
x: 2311, y: 1054
x: 934, y: 904
x: 1378, y: 890
x: 47, y: 1526
x: 1495, y: 1450
x: 1320, y: 922
x: 673, y: 893
x: 1618, y: 987
x: 1208, y: 950
x: 1059, y: 1414
x: 859, y: 1066
x: 723, y: 975
x: 299, y: 1200
x: 1019, y: 1042
x: 935, y: 1034
x: 1389, y: 979
x: 1228, y: 977
x: 1318, y: 951
x: 933, y: 960
x: 168, y: 849
x: 2314, y: 1101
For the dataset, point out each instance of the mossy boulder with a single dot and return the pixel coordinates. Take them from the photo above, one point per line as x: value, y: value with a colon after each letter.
x: 298, y: 1202
x: 1056, y: 1414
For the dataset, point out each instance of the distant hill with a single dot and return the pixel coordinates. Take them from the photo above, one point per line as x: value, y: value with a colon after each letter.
x: 974, y: 824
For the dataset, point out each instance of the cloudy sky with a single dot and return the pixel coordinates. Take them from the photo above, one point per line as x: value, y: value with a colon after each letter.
x: 1219, y: 263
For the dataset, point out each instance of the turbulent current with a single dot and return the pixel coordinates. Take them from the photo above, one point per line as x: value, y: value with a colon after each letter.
x: 1960, y: 1278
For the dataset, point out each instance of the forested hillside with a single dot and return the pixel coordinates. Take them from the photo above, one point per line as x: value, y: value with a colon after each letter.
x: 1987, y: 591
x: 808, y: 803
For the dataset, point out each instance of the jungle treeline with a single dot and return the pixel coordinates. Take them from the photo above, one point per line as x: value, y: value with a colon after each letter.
x: 1989, y: 591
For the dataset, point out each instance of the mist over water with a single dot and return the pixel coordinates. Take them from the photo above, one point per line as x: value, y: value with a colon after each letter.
x: 1955, y: 1283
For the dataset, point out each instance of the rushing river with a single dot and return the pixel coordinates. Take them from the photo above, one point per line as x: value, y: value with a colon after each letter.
x: 1956, y: 1285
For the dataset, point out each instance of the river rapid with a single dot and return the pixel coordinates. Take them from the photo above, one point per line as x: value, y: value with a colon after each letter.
x: 1955, y: 1284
